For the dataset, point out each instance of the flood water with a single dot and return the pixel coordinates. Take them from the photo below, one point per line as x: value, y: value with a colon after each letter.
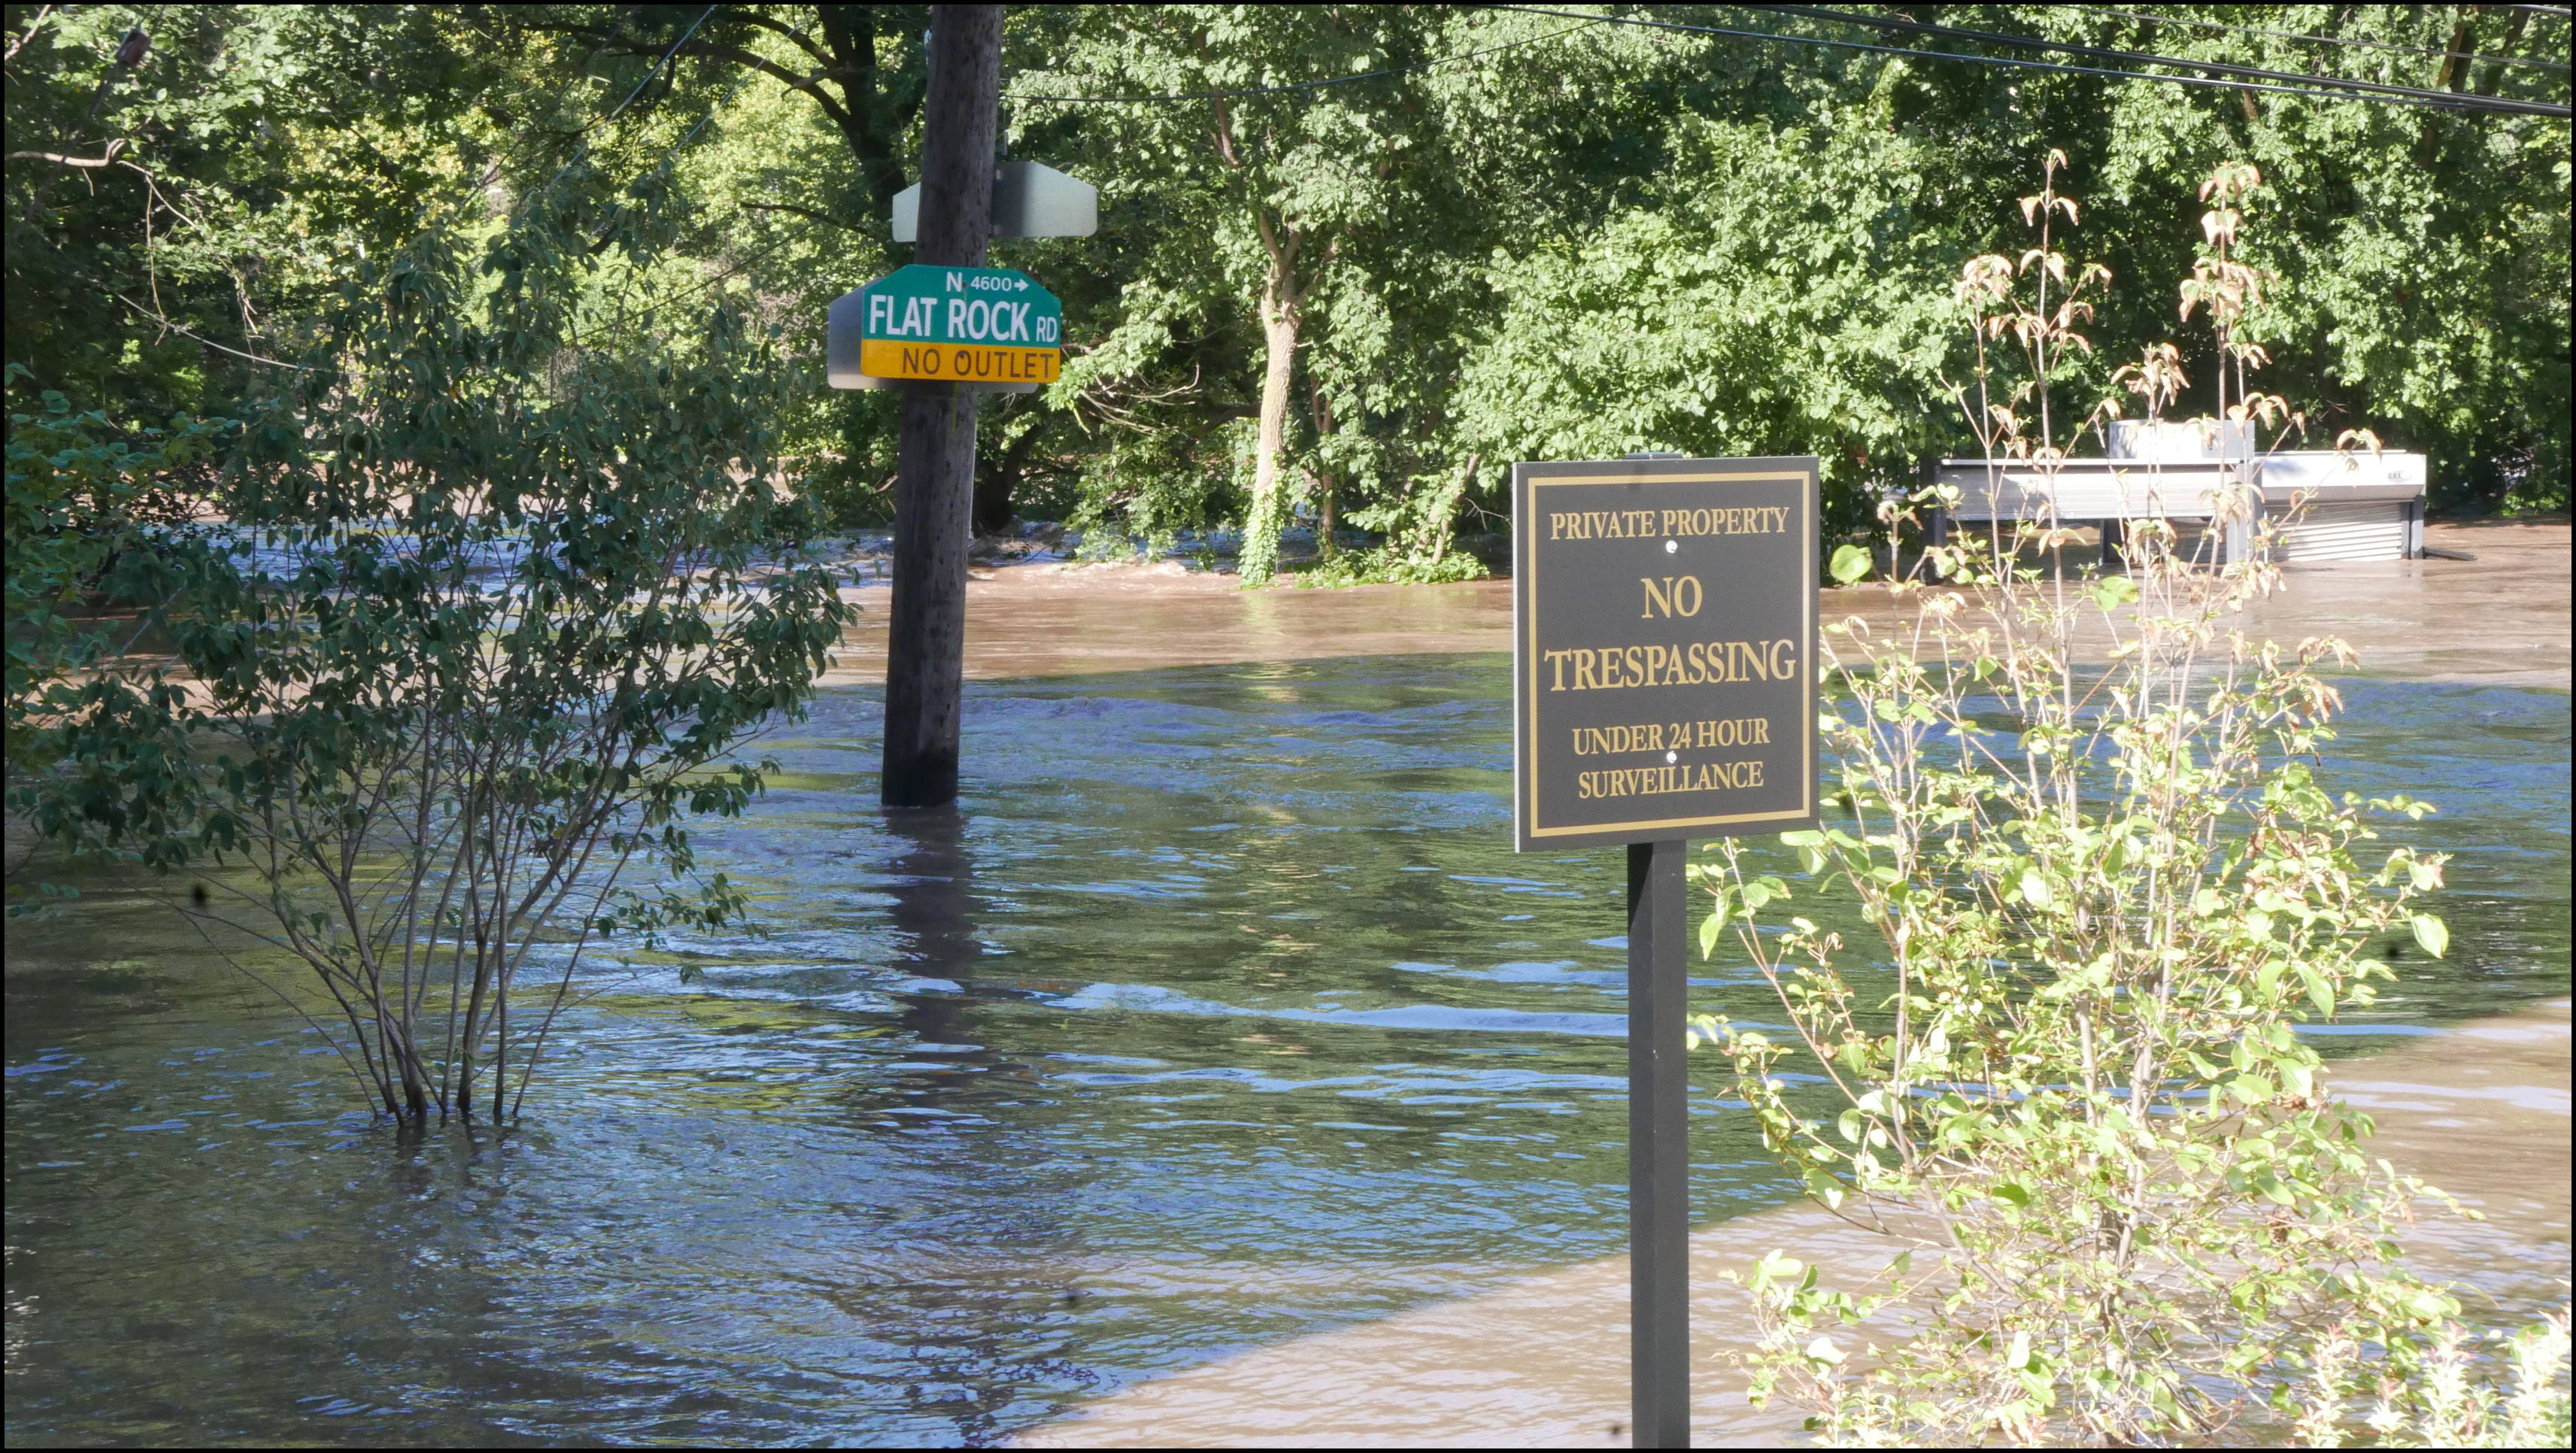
x: 1222, y: 1015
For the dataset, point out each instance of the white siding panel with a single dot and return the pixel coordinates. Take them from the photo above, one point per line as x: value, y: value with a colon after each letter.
x: 2089, y: 489
x: 2321, y: 469
x: 2373, y: 530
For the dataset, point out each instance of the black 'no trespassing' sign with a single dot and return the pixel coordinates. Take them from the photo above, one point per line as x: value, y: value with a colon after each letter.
x: 1663, y: 643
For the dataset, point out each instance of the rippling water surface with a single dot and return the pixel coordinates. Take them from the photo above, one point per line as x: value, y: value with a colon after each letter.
x: 1226, y: 1015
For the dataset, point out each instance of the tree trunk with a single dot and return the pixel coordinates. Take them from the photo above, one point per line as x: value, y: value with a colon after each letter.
x: 1320, y: 410
x: 850, y: 32
x: 934, y: 489
x: 1444, y: 508
x: 993, y: 509
x: 997, y: 482
x: 1259, y: 560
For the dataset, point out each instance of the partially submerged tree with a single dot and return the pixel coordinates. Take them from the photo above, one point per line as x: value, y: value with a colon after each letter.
x: 506, y: 574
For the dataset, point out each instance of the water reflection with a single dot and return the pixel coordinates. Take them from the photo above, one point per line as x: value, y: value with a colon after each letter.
x: 1220, y: 1016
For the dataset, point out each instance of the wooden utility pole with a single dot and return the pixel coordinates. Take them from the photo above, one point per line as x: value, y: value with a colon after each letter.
x: 935, y: 459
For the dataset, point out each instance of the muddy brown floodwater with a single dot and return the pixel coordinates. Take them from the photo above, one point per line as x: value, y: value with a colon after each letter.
x: 1216, y: 1075
x: 2499, y: 619
x: 2480, y: 1110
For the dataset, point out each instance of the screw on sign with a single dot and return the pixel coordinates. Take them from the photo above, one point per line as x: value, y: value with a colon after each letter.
x: 1663, y: 688
x: 985, y: 327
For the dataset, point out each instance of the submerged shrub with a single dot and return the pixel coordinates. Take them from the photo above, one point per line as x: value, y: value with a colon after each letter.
x: 498, y: 588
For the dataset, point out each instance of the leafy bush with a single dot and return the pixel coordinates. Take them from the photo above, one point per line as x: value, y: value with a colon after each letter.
x: 496, y: 592
x: 1385, y: 566
x: 2452, y: 1404
x: 85, y: 503
x: 2083, y: 826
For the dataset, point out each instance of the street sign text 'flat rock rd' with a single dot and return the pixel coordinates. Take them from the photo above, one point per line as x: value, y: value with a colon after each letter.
x: 981, y: 326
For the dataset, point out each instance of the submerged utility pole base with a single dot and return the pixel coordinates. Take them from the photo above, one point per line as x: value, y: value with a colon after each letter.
x: 935, y: 465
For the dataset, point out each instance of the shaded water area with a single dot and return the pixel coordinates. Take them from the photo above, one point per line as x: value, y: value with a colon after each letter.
x: 1223, y: 1015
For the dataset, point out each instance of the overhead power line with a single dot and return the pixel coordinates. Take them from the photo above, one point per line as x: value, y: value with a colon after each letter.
x: 657, y: 67
x: 2328, y: 88
x: 2307, y: 39
x: 1904, y: 26
x: 1588, y: 20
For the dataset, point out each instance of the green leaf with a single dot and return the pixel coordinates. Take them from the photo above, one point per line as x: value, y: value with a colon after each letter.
x: 2012, y: 1194
x: 1775, y: 1266
x: 2432, y: 934
x: 1851, y: 563
x: 1710, y: 927
x: 2321, y: 990
x: 2034, y: 889
x: 2432, y: 1305
x: 1824, y: 1188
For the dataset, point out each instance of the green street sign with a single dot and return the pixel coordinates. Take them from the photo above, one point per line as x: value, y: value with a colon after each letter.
x: 986, y: 327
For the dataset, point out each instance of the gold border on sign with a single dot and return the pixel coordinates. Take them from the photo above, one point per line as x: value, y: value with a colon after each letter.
x: 1807, y: 652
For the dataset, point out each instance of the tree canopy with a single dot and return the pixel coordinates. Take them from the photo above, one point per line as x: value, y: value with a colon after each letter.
x: 1353, y: 259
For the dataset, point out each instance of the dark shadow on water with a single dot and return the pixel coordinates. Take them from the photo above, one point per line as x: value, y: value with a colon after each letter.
x: 934, y: 911
x: 978, y: 1302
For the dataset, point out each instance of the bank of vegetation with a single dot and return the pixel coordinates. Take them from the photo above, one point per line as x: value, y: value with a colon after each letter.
x: 1514, y: 235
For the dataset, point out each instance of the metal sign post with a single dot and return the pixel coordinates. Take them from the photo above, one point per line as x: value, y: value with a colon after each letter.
x: 1029, y: 200
x: 1663, y: 688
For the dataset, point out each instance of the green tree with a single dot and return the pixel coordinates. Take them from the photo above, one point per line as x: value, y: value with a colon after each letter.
x: 1789, y: 308
x: 1494, y: 220
x: 1309, y: 259
x: 2421, y: 256
x: 86, y: 501
x: 183, y: 182
x: 500, y: 582
x: 805, y: 121
x: 1259, y: 193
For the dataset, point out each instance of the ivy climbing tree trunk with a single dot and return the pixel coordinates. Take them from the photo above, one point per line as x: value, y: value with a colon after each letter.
x: 1280, y: 316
